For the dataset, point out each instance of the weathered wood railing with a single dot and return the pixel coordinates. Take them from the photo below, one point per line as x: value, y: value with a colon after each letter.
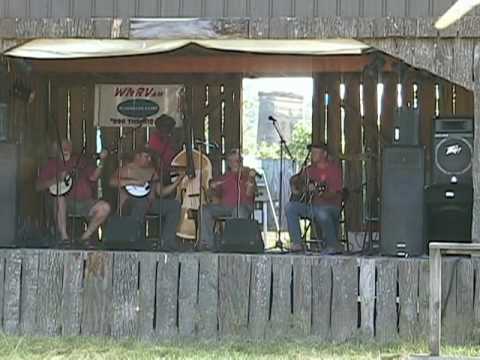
x: 436, y: 286
x: 158, y: 296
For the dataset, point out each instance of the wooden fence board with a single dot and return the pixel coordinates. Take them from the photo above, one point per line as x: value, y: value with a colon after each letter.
x: 408, y: 281
x: 97, y: 290
x: 12, y: 286
x: 386, y: 321
x: 367, y: 298
x: 302, y: 296
x: 445, y: 101
x: 260, y: 285
x: 476, y: 302
x: 423, y: 297
x: 426, y: 105
x: 281, y: 307
x: 465, y: 296
x: 449, y: 299
x: 187, y: 295
x: 146, y: 295
x: 50, y: 289
x: 389, y: 106
x: 208, y: 297
x: 215, y: 131
x: 167, y: 296
x: 72, y: 292
x: 334, y: 131
x: 29, y: 291
x: 2, y: 287
x: 125, y: 294
x: 77, y: 116
x: 344, y: 298
x: 318, y: 112
x: 233, y: 295
x: 321, y: 298
x: 233, y: 106
x: 353, y: 147
x: 463, y: 102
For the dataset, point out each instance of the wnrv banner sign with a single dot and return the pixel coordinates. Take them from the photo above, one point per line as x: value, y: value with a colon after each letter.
x: 132, y: 105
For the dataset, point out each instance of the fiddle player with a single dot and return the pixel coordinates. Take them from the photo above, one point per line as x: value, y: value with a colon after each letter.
x: 237, y: 192
x: 81, y: 199
x: 324, y: 207
x: 141, y: 173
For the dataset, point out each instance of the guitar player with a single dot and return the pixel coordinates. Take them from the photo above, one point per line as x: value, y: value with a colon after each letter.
x: 324, y: 206
x: 141, y: 191
x: 81, y: 198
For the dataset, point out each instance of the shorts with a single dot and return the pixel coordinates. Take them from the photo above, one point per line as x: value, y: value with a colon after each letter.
x: 80, y: 207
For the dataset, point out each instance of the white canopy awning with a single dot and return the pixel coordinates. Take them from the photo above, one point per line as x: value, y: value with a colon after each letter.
x: 88, y: 48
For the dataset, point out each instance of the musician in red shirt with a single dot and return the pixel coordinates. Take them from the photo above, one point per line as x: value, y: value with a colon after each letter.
x: 324, y: 179
x: 81, y: 199
x: 161, y: 142
x: 236, y: 189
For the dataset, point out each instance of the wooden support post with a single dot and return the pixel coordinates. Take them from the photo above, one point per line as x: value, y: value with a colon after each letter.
x: 435, y: 300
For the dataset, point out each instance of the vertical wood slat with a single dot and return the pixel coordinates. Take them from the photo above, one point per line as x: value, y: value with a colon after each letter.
x: 367, y: 297
x: 353, y: 146
x: 476, y: 302
x: 125, y: 294
x: 2, y: 288
x: 344, y: 299
x: 463, y: 102
x: 195, y: 108
x: 333, y: 115
x: 318, y: 111
x: 77, y: 117
x: 88, y: 102
x: 60, y: 111
x: 50, y: 288
x: 408, y: 281
x: 215, y: 100
x: 187, y: 296
x: 465, y: 297
x: 280, y: 315
x: 29, y: 292
x: 423, y: 298
x: 233, y: 291
x: 167, y: 296
x: 72, y: 293
x: 386, y: 321
x: 232, y: 113
x: 449, y: 299
x: 146, y: 295
x: 426, y: 105
x: 97, y: 290
x: 371, y: 141
x: 389, y: 107
x: 302, y: 297
x: 208, y: 297
x: 321, y: 298
x: 445, y: 99
x: 259, y: 296
x: 11, y: 299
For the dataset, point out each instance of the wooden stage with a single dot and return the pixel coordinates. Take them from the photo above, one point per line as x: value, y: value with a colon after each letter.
x: 160, y: 296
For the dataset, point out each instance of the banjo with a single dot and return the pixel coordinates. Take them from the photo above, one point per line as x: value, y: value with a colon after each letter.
x: 62, y: 187
x: 140, y: 191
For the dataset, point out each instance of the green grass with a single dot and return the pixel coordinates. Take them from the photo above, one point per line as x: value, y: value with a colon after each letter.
x: 102, y: 349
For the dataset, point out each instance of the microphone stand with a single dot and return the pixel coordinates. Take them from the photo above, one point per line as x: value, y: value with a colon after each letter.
x: 283, y: 146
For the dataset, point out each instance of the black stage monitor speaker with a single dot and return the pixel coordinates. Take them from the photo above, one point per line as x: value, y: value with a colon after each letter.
x: 449, y: 212
x: 124, y: 233
x: 452, y: 150
x: 241, y: 236
x: 8, y: 194
x: 406, y: 127
x: 402, y: 215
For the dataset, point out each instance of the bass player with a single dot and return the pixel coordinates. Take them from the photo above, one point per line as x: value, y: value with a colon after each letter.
x: 321, y: 206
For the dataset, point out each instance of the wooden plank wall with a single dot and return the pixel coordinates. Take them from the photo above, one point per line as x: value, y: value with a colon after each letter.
x: 159, y: 296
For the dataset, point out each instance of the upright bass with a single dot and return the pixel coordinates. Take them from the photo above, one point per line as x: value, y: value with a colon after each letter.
x: 192, y: 191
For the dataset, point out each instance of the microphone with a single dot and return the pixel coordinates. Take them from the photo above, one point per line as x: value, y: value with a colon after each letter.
x: 271, y: 118
x: 210, y: 144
